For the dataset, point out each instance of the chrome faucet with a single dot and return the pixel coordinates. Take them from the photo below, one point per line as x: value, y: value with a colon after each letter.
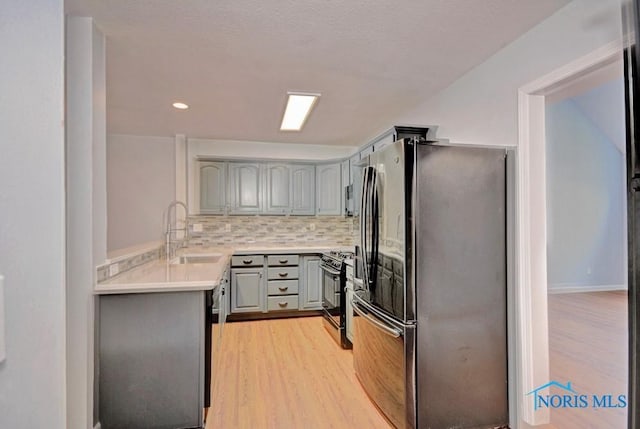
x: 172, y: 242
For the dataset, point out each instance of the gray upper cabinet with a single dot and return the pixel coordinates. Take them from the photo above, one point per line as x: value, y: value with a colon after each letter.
x: 328, y: 189
x: 245, y: 188
x: 347, y: 206
x: 278, y: 188
x: 303, y: 189
x: 355, y: 175
x: 213, y: 186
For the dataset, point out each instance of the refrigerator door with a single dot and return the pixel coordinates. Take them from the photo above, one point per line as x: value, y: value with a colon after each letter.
x: 461, y: 348
x: 383, y: 361
x: 386, y: 193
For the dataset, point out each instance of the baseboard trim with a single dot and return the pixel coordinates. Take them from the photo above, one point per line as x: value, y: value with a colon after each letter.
x: 560, y: 288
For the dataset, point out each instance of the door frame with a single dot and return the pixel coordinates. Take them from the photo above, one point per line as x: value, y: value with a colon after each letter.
x: 532, y: 330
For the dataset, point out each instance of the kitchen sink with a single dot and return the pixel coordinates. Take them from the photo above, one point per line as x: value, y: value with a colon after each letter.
x: 200, y: 258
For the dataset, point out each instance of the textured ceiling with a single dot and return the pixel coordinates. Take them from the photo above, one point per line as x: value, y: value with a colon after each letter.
x: 233, y: 61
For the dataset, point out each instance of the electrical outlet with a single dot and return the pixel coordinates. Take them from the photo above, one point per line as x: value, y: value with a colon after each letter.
x: 312, y: 227
x: 113, y: 269
x: 227, y: 227
x: 197, y: 227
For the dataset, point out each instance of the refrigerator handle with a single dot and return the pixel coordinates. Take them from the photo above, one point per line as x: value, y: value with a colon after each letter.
x: 393, y: 332
x: 363, y: 226
x: 375, y: 225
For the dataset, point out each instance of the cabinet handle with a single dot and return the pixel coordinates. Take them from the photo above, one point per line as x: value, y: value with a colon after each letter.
x: 283, y: 289
x: 283, y: 261
x: 247, y: 261
x: 283, y: 304
x: 283, y: 274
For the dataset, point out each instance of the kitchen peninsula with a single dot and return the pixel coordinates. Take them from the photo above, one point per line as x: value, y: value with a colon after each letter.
x: 154, y: 343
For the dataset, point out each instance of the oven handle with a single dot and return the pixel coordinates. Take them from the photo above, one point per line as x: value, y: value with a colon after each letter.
x: 392, y: 332
x: 335, y: 273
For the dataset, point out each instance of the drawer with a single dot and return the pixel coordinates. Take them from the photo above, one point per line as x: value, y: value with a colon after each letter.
x: 281, y: 260
x: 279, y: 303
x: 282, y: 273
x: 282, y: 287
x: 247, y: 261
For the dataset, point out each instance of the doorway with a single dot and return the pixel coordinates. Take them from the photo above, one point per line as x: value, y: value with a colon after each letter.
x: 571, y: 240
x: 585, y: 172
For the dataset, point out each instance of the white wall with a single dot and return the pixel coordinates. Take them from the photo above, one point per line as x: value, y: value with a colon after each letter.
x: 86, y: 207
x: 140, y: 186
x: 585, y: 201
x: 482, y: 106
x: 32, y: 210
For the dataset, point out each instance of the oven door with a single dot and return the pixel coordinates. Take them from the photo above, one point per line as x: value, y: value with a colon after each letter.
x: 331, y: 293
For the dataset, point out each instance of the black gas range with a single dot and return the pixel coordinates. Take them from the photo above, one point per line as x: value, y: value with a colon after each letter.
x: 333, y: 295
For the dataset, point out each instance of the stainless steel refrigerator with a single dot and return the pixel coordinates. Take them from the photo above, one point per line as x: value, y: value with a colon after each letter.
x: 431, y: 319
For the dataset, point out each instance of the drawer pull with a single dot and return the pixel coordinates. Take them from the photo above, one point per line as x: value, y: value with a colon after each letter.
x: 283, y: 261
x: 247, y: 261
x: 283, y: 274
x: 283, y: 304
x: 283, y: 289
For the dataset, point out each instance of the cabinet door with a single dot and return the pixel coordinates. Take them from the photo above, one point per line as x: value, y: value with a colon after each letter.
x: 247, y: 290
x: 329, y: 189
x: 356, y: 182
x: 311, y: 285
x: 213, y: 184
x: 278, y: 184
x: 347, y: 203
x: 245, y: 188
x: 303, y: 189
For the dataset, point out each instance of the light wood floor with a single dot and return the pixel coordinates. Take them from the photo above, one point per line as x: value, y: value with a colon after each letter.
x: 287, y: 373
x: 588, y: 346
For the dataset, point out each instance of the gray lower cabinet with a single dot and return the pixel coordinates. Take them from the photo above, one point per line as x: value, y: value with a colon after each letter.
x: 311, y: 284
x: 247, y: 290
x: 151, y: 360
x: 287, y: 283
x: 282, y: 284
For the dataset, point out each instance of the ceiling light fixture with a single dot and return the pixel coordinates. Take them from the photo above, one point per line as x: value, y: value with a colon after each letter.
x: 299, y: 105
x: 180, y: 106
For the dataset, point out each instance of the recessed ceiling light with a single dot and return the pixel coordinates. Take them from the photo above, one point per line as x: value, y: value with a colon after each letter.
x: 181, y: 106
x: 299, y: 106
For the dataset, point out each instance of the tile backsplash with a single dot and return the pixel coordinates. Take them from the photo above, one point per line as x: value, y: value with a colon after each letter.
x: 301, y: 230
x: 105, y: 271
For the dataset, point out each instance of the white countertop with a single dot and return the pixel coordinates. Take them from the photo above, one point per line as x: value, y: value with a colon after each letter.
x: 160, y: 276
